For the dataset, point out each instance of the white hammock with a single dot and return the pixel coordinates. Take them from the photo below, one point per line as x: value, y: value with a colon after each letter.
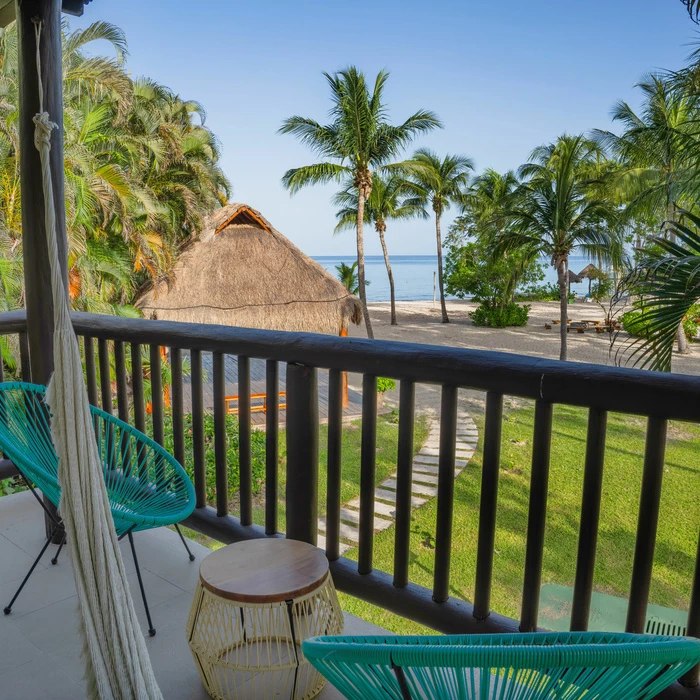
x: 117, y: 665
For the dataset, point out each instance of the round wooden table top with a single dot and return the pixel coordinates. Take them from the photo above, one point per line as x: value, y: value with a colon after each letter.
x: 264, y: 571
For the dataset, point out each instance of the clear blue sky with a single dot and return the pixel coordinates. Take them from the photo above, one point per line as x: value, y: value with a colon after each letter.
x: 503, y: 76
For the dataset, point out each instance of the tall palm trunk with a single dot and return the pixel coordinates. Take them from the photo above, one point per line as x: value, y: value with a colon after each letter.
x: 445, y: 317
x: 680, y: 333
x: 361, y: 260
x: 381, y: 226
x: 562, y: 269
x: 682, y: 340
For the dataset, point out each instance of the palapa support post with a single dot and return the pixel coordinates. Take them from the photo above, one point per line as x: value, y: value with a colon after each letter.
x: 37, y: 270
x: 346, y: 398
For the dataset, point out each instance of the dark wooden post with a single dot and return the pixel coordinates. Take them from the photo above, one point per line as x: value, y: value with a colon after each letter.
x: 302, y: 454
x: 37, y: 271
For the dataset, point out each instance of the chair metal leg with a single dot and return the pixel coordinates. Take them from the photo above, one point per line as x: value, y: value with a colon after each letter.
x: 184, y: 541
x: 54, y: 561
x: 8, y: 609
x: 151, y: 629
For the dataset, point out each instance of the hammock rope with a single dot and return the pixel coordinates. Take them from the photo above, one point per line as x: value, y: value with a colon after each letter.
x: 117, y: 664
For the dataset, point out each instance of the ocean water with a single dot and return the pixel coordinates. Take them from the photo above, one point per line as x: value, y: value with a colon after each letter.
x: 413, y: 275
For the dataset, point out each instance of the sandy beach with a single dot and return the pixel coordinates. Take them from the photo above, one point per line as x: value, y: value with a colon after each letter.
x: 419, y: 322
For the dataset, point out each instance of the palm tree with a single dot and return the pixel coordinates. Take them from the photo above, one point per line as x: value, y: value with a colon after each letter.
x: 658, y: 151
x: 693, y: 9
x: 347, y: 274
x: 440, y: 183
x: 487, y: 198
x: 354, y: 145
x: 141, y: 172
x: 667, y: 281
x: 388, y: 200
x: 558, y: 210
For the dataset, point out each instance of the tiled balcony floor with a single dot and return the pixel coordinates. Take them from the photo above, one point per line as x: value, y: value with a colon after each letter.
x: 39, y: 642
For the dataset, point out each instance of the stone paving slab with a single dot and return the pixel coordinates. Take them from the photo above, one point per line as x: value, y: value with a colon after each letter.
x: 424, y: 480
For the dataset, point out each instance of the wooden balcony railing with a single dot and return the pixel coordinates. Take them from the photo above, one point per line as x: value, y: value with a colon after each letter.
x: 658, y: 397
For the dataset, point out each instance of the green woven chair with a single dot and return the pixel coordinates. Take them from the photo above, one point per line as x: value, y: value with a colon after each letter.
x: 146, y: 486
x: 555, y: 666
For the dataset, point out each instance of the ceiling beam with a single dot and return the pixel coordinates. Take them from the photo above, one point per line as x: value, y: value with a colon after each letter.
x: 70, y: 7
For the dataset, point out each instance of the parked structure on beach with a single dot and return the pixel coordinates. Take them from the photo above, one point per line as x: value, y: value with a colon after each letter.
x: 243, y: 272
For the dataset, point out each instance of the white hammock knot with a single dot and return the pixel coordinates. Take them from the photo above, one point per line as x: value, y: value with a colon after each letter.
x: 43, y: 127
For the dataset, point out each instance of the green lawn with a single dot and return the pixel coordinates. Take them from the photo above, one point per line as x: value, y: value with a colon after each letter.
x: 387, y: 445
x: 678, y: 523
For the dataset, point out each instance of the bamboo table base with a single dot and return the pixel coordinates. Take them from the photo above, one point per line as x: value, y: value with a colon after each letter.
x: 255, y: 602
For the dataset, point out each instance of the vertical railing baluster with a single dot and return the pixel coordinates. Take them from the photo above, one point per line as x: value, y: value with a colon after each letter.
x: 156, y: 393
x: 335, y: 434
x: 647, y: 523
x: 2, y: 366
x: 122, y: 403
x: 105, y: 376
x: 272, y: 420
x: 25, y: 364
x: 137, y: 386
x: 177, y: 400
x: 90, y: 370
x: 488, y: 504
x: 590, y: 517
x: 302, y: 453
x: 244, y: 457
x: 404, y: 482
x: 368, y: 469
x: 445, y: 495
x: 220, y: 436
x: 692, y: 678
x: 536, y: 516
x: 200, y: 476
x: 122, y: 389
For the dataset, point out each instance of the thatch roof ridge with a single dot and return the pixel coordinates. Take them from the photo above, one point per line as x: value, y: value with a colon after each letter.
x: 218, y: 220
x: 255, y: 277
x: 590, y: 268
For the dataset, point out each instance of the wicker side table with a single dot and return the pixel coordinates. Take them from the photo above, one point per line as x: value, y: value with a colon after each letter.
x: 255, y: 602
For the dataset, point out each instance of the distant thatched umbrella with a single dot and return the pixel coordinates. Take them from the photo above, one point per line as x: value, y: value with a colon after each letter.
x: 242, y: 272
x: 590, y: 271
x: 572, y: 277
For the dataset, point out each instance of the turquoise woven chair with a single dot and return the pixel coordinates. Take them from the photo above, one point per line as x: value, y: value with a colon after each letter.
x: 555, y: 666
x: 146, y: 486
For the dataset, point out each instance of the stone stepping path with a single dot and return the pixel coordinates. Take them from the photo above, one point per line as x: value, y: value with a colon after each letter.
x: 423, y: 484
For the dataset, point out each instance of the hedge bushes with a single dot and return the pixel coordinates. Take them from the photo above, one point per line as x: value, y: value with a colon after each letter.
x: 634, y: 323
x: 501, y: 316
x: 257, y: 453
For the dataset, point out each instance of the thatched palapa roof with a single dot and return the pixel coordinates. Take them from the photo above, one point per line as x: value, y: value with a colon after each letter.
x: 242, y: 272
x: 589, y: 271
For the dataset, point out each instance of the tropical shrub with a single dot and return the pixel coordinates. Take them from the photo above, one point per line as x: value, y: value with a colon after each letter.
x: 634, y: 323
x: 543, y: 292
x: 385, y: 384
x: 691, y: 322
x: 501, y: 316
x: 473, y: 271
x: 257, y: 453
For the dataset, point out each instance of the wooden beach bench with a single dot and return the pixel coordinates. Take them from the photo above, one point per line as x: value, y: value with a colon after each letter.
x: 578, y: 326
x: 258, y: 403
